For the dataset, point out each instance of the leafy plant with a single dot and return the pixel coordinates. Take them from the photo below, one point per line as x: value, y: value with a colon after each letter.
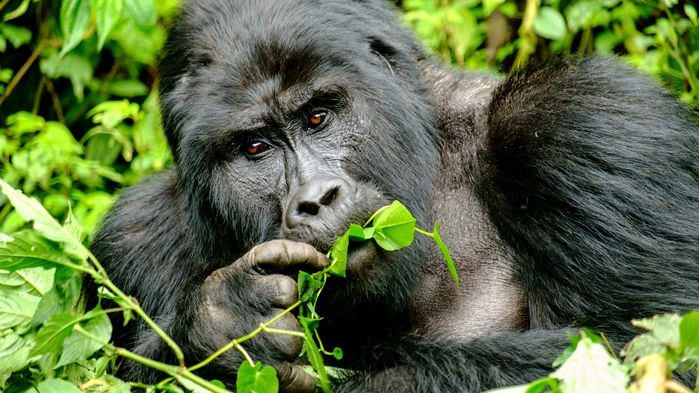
x: 392, y: 228
x: 671, y: 344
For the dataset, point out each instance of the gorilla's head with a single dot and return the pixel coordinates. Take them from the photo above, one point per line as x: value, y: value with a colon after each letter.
x: 294, y: 119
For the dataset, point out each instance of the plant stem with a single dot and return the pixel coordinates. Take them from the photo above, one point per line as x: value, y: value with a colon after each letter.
x: 174, y: 371
x: 101, y: 277
x: 236, y: 343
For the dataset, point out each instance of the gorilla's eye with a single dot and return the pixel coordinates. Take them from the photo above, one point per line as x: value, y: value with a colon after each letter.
x: 317, y: 118
x: 256, y: 148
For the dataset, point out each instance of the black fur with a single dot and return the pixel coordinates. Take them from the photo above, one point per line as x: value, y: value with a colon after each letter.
x: 568, y: 193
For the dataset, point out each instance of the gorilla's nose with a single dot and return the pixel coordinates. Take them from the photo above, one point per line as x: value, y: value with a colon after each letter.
x: 315, y: 203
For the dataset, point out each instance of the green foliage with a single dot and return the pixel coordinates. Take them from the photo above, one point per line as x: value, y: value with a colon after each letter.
x: 671, y: 343
x: 659, y: 37
x: 91, y: 122
x: 392, y: 228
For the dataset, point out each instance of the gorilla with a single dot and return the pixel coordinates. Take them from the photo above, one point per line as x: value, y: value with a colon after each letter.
x: 568, y: 194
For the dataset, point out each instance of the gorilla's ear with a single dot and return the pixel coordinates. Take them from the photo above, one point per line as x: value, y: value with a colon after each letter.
x: 387, y: 53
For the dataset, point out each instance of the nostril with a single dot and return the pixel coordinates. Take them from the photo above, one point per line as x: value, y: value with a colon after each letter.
x: 307, y: 209
x: 329, y: 196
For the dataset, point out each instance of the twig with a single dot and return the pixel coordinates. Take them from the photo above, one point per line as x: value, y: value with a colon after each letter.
x: 22, y: 71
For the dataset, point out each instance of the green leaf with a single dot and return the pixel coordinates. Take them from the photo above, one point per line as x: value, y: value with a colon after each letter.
x: 17, y: 36
x: 31, y: 210
x: 17, y: 12
x: 78, y: 346
x: 256, y: 379
x: 313, y: 353
x: 142, y: 12
x: 358, y: 233
x: 57, y: 386
x: 338, y: 256
x: 26, y: 251
x: 309, y: 286
x: 16, y: 309
x: 76, y: 68
x: 394, y: 227
x: 107, y: 13
x: 14, y: 353
x: 51, y: 336
x: 591, y: 369
x: 62, y: 297
x: 689, y: 331
x: 549, y: 23
x: 445, y: 251
x: 75, y: 20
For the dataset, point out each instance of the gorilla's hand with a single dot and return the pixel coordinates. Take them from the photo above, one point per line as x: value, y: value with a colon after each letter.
x: 236, y: 299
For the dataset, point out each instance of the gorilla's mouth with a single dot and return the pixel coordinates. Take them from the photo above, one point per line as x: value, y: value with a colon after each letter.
x: 359, y: 256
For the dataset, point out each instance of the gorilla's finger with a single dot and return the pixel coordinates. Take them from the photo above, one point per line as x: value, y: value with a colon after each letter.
x: 282, y: 291
x: 284, y: 256
x: 294, y: 380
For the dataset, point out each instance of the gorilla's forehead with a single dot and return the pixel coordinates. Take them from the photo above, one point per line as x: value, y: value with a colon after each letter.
x: 256, y: 40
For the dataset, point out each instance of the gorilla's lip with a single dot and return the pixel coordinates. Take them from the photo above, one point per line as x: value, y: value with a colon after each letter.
x: 360, y: 252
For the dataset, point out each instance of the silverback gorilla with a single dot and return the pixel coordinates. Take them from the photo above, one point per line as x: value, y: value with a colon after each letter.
x: 567, y: 193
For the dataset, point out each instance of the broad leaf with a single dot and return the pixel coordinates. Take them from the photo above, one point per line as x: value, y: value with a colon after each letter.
x: 107, y: 13
x: 31, y: 210
x: 51, y: 336
x: 57, y: 386
x: 256, y: 379
x: 78, y: 346
x: 394, y: 227
x: 75, y: 20
x: 142, y: 12
x: 308, y: 287
x: 27, y: 251
x: 591, y: 369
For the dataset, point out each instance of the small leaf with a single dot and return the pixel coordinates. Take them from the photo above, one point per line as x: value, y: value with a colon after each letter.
x: 142, y: 12
x: 338, y: 256
x: 107, y: 13
x: 75, y: 20
x: 17, y: 36
x: 17, y: 12
x: 256, y: 379
x: 357, y: 233
x: 337, y: 353
x: 549, y: 23
x: 394, y: 227
x: 313, y: 353
x: 308, y: 286
x: 445, y: 251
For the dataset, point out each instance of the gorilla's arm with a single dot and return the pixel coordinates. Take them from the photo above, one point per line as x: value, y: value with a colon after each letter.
x: 145, y: 246
x: 417, y: 364
x: 588, y: 170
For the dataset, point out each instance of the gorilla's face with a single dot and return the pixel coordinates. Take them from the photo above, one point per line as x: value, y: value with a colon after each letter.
x: 279, y: 136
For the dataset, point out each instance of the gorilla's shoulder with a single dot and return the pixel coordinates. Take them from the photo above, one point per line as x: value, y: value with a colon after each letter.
x: 141, y: 216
